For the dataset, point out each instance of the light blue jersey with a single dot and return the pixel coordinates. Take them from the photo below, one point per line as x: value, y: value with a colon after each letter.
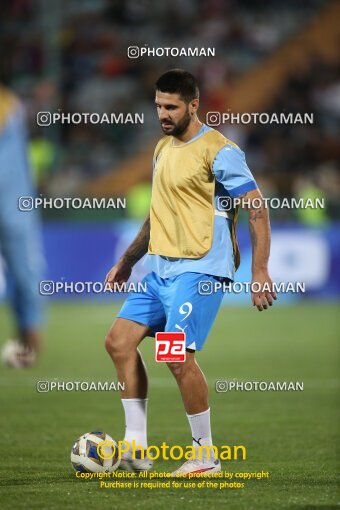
x: 233, y: 179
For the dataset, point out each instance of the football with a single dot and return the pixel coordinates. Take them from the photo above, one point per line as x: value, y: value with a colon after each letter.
x: 86, y: 458
x: 15, y: 355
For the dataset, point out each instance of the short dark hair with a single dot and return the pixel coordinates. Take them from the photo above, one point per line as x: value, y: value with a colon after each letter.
x: 178, y: 81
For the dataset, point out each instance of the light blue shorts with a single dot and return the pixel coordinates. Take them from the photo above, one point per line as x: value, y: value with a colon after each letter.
x: 180, y: 303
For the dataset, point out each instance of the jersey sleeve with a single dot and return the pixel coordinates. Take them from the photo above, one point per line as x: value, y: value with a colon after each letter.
x: 231, y: 170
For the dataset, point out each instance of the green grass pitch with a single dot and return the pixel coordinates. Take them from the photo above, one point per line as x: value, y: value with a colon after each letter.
x: 293, y: 435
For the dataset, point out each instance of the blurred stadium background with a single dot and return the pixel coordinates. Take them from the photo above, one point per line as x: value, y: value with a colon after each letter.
x: 276, y: 56
x: 271, y: 56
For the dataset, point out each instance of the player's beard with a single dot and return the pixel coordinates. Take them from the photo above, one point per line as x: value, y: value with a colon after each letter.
x: 179, y: 128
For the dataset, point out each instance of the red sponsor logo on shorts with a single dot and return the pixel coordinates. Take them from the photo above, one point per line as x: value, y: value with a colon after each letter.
x: 170, y: 346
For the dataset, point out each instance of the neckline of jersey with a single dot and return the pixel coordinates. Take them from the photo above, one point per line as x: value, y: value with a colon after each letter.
x: 200, y: 133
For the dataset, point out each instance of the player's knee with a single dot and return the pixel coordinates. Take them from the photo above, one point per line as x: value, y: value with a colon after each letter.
x: 115, y: 345
x: 177, y: 369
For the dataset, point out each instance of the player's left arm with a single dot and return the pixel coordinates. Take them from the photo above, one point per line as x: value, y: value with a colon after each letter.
x: 259, y: 228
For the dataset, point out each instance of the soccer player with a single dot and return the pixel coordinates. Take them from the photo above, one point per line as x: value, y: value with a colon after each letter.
x: 190, y: 238
x: 20, y: 236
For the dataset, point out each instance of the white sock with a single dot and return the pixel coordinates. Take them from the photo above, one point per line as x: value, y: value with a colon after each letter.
x: 201, y: 431
x: 135, y: 421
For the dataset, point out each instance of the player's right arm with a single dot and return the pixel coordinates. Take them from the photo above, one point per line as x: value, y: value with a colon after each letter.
x: 121, y: 272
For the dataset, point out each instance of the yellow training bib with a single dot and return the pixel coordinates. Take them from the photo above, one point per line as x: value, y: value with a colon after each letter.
x: 182, y: 203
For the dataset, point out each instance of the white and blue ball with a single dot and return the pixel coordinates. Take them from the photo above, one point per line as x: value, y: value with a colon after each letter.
x: 85, y: 456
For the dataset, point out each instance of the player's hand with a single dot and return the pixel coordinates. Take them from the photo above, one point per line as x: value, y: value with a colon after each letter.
x: 262, y: 294
x: 120, y: 273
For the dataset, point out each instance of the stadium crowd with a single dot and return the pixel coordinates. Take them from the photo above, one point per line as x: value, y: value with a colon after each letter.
x: 72, y: 58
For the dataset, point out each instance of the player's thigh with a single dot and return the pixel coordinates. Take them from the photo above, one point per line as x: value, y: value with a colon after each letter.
x: 141, y: 315
x: 125, y: 335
